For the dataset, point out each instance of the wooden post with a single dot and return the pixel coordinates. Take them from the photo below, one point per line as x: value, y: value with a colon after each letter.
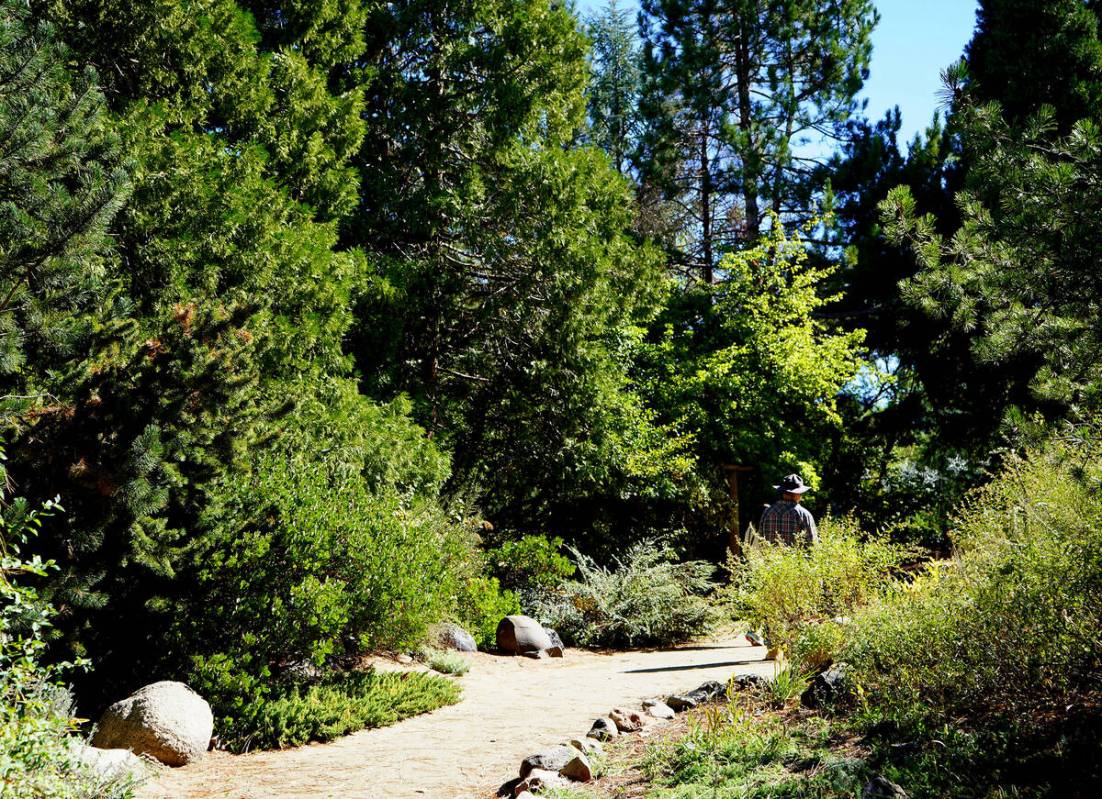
x: 734, y: 537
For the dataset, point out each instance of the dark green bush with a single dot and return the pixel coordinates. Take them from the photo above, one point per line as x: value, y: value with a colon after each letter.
x: 326, y: 548
x: 337, y: 706
x: 647, y: 599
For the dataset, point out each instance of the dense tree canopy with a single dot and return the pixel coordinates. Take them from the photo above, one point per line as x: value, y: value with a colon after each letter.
x: 734, y: 89
x: 312, y: 309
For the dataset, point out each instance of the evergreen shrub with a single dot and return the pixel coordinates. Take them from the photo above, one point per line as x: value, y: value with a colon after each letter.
x: 338, y: 705
x: 648, y: 598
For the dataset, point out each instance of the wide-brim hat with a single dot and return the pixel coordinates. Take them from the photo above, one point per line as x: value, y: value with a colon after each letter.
x: 793, y: 484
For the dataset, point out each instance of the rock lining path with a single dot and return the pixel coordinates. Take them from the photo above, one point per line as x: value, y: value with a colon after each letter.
x: 511, y: 707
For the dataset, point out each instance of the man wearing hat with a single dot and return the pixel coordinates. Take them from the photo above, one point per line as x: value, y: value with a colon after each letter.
x: 786, y: 521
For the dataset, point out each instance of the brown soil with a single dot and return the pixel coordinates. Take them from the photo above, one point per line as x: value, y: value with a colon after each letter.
x: 511, y: 707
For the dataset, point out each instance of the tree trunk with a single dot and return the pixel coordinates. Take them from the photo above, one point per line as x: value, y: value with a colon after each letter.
x: 746, y: 125
x: 706, y: 189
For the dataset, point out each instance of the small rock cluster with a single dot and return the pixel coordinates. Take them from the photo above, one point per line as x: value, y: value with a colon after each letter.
x: 569, y: 762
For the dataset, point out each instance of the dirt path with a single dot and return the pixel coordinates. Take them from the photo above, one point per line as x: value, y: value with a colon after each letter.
x: 510, y: 707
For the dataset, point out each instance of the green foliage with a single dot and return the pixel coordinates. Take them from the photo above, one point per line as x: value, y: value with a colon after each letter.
x: 738, y: 753
x: 339, y: 705
x: 1002, y: 638
x: 647, y: 598
x: 481, y: 604
x: 533, y: 561
x: 445, y: 662
x: 506, y: 266
x: 38, y: 733
x: 735, y: 365
x: 782, y: 589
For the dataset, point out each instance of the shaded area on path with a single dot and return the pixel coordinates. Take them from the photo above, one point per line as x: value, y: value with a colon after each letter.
x: 728, y: 664
x: 510, y: 708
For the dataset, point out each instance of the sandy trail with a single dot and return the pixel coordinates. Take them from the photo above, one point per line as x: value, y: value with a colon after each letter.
x: 510, y: 707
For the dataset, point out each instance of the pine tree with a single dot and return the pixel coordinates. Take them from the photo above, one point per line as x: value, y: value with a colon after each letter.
x: 617, y: 80
x: 980, y: 287
x: 1030, y: 53
x: 61, y: 182
x: 733, y: 89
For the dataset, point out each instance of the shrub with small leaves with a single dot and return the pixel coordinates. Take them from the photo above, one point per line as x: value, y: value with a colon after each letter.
x: 533, y: 561
x: 482, y: 603
x: 445, y: 662
x: 648, y: 598
x: 782, y: 589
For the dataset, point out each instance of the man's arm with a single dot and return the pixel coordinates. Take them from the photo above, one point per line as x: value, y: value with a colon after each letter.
x: 812, y: 530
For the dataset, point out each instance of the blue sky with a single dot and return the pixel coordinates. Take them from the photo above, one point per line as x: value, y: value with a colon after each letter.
x: 915, y: 40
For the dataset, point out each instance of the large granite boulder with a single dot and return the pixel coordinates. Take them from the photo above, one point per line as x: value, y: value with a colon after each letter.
x: 522, y: 635
x: 165, y: 720
x: 451, y: 636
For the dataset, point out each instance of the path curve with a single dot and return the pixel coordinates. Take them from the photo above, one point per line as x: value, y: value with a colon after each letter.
x: 510, y: 708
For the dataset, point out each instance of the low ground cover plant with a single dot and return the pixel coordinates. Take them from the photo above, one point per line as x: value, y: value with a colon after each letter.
x: 338, y: 705
x: 445, y: 662
x: 647, y: 598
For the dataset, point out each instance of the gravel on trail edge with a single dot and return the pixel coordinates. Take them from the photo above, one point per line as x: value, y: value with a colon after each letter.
x: 511, y: 707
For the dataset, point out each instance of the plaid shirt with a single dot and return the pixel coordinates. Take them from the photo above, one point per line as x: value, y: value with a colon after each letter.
x: 786, y: 522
